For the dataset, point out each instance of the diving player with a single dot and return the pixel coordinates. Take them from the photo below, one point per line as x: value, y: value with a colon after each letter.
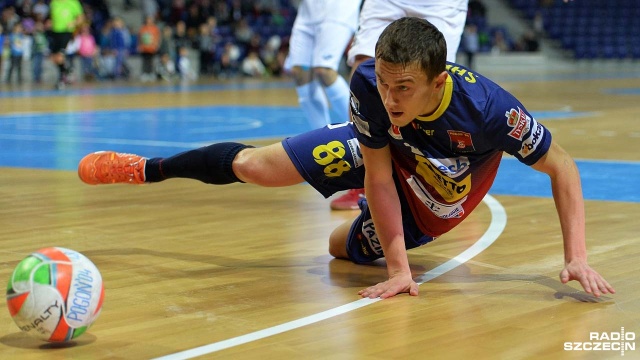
x: 430, y: 134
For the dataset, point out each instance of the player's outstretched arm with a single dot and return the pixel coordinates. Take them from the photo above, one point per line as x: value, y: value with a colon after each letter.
x: 567, y: 194
x: 384, y: 204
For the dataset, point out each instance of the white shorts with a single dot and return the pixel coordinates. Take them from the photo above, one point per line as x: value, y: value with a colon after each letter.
x: 318, y: 45
x: 448, y: 17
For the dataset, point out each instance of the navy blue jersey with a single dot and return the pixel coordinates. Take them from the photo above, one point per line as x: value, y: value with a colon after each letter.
x: 448, y: 160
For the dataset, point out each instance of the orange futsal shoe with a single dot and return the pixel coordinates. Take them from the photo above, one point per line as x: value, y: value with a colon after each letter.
x: 108, y: 167
x: 348, y: 201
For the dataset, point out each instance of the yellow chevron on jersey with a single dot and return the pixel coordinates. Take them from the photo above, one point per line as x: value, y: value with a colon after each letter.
x: 446, y: 100
x: 450, y: 189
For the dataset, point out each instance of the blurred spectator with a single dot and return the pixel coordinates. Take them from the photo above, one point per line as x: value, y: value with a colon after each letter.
x: 470, y: 43
x: 476, y: 9
x: 2, y: 46
x: 228, y: 60
x: 8, y: 18
x: 119, y: 42
x: 40, y: 10
x: 243, y: 33
x: 177, y: 12
x: 87, y: 50
x: 181, y: 40
x: 65, y: 16
x: 223, y: 13
x: 39, y: 50
x: 538, y: 24
x: 185, y: 68
x: 166, y: 69
x: 206, y: 48
x: 193, y: 19
x: 269, y: 55
x: 528, y: 42
x: 252, y: 66
x: 148, y: 46
x: 17, y: 41
x: 149, y: 8
x: 167, y: 43
x: 500, y: 44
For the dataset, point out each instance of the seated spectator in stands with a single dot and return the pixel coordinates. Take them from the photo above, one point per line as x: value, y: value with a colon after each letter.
x: 243, y: 33
x: 185, y: 68
x: 269, y: 55
x: 252, y: 66
x: 529, y: 42
x: 228, y: 60
x: 499, y: 44
x: 166, y: 69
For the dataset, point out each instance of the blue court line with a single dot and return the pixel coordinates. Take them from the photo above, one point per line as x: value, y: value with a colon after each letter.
x: 132, y: 89
x: 59, y: 140
x: 622, y: 91
x: 601, y: 180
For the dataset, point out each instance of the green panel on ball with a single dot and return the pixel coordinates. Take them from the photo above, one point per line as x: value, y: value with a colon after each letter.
x: 28, y: 265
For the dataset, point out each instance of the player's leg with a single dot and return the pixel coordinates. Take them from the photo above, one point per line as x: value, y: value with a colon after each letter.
x: 327, y: 158
x: 357, y: 240
x: 449, y: 19
x: 331, y: 41
x: 374, y: 17
x: 219, y: 164
x: 311, y: 98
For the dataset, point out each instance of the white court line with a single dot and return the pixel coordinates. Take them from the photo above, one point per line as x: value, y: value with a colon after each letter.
x: 498, y: 223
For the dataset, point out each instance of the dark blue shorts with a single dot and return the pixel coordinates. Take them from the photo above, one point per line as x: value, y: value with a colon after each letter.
x: 329, y: 159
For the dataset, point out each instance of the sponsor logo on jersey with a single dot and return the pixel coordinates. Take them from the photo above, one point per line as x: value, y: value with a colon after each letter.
x: 369, y: 232
x: 443, y: 211
x: 460, y: 141
x: 361, y: 125
x: 354, y: 148
x: 394, y: 131
x: 449, y: 189
x: 452, y: 167
x: 519, y: 121
x: 535, y: 138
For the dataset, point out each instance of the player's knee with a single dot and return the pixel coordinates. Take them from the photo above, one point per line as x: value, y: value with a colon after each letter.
x: 246, y: 165
x: 300, y: 75
x: 338, y: 245
x: 326, y: 76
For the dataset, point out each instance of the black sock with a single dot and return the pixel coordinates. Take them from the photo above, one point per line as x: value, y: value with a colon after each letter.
x: 210, y: 164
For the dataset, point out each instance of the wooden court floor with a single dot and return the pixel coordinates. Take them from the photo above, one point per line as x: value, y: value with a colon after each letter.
x: 242, y: 272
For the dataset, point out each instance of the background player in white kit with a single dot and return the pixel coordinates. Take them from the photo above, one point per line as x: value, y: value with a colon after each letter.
x: 321, y: 32
x: 449, y: 16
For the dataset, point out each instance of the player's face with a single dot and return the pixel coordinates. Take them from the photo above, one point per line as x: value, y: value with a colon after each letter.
x: 405, y: 91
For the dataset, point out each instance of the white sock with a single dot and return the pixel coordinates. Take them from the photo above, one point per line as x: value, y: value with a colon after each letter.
x: 314, y: 104
x: 338, y: 96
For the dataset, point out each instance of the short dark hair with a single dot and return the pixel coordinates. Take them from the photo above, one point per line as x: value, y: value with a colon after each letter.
x: 411, y: 40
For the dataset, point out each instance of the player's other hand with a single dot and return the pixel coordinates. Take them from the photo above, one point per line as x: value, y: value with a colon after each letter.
x: 400, y: 283
x: 591, y: 281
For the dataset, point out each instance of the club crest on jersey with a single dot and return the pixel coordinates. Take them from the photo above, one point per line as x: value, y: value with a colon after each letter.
x: 519, y: 121
x: 461, y: 141
x: 362, y: 125
x: 394, y: 131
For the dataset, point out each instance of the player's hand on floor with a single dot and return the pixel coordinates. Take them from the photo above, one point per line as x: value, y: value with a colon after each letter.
x: 591, y: 281
x: 395, y: 285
